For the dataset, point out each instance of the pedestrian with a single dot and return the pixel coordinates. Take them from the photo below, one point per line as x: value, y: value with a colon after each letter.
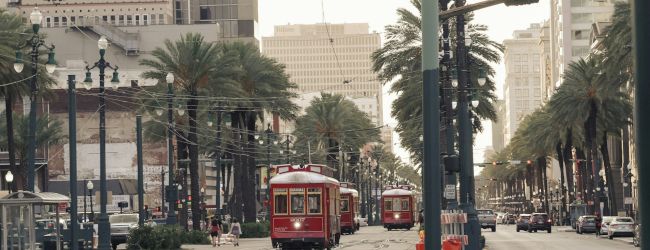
x: 599, y: 221
x: 215, y: 231
x: 235, y: 230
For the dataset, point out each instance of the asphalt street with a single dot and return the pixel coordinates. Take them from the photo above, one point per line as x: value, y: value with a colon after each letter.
x: 506, y: 238
x: 367, y: 238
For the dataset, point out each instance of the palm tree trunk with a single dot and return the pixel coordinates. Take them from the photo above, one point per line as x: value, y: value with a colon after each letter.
x: 560, y: 159
x: 239, y: 171
x: 608, y: 174
x: 192, y: 105
x: 567, y: 156
x: 542, y: 167
x: 250, y: 205
x: 11, y: 146
x: 593, y: 151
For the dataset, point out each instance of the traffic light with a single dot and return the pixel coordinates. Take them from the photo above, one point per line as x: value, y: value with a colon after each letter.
x: 451, y: 162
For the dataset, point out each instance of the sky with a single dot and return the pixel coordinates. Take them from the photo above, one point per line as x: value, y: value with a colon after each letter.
x: 501, y: 21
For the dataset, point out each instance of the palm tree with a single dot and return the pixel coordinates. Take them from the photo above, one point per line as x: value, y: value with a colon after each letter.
x: 591, y: 103
x: 263, y: 86
x: 332, y: 122
x: 192, y: 61
x: 13, y: 30
x: 399, y: 60
x: 47, y: 132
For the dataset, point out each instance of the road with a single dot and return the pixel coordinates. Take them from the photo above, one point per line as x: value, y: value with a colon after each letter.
x: 506, y: 238
x: 367, y: 238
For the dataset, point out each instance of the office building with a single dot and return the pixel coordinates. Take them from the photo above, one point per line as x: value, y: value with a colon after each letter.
x: 522, y: 87
x: 333, y: 58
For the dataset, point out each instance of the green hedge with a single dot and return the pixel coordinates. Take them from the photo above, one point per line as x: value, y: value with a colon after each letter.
x: 255, y: 230
x: 164, y: 237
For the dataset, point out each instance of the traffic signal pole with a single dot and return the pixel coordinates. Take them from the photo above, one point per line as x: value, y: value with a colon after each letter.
x: 640, y: 41
x: 431, y: 120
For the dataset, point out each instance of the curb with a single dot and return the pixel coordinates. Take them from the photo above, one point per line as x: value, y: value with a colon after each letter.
x: 624, y: 240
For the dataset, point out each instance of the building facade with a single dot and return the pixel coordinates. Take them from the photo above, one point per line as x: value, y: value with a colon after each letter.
x: 522, y: 90
x: 570, y: 26
x: 498, y: 128
x: 333, y: 58
x: 237, y: 19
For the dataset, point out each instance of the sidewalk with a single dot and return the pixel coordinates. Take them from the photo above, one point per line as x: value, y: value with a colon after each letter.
x: 565, y: 229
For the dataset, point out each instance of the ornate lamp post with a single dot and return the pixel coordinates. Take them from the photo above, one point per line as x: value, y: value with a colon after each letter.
x: 103, y: 223
x: 90, y: 186
x: 36, y: 42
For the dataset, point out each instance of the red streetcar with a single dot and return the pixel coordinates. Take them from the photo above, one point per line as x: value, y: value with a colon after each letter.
x: 349, y: 208
x: 398, y: 207
x: 305, y: 204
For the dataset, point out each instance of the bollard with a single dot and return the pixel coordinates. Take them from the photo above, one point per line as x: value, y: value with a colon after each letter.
x: 451, y: 244
x: 420, y: 244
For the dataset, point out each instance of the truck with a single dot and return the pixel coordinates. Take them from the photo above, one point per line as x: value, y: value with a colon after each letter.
x: 487, y: 218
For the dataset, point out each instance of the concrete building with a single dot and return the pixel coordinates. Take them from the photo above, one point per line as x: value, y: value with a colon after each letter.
x: 522, y: 86
x: 498, y: 142
x: 547, y: 86
x: 387, y: 138
x: 332, y: 58
x: 570, y: 26
x: 237, y: 19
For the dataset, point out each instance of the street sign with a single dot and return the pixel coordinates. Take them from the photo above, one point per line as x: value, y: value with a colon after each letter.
x: 450, y: 192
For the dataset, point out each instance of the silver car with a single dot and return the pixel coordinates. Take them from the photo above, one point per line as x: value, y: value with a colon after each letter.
x: 605, y: 224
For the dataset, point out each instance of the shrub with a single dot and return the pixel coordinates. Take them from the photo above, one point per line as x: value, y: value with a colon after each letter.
x: 164, y: 237
x: 255, y: 230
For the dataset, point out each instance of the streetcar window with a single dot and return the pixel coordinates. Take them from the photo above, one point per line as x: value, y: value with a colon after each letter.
x: 313, y: 200
x: 388, y: 204
x: 345, y: 205
x: 396, y: 204
x: 297, y: 200
x: 280, y: 200
x: 405, y: 205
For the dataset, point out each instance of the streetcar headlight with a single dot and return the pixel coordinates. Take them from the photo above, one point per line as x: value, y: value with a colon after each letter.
x: 396, y: 216
x: 296, y: 225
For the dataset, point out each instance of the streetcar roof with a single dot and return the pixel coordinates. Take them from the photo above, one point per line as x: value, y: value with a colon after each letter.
x: 397, y: 191
x: 300, y: 177
x: 354, y: 192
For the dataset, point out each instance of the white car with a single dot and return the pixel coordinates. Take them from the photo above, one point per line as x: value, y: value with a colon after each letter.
x: 621, y: 226
x: 605, y: 224
x: 120, y: 226
x: 363, y: 221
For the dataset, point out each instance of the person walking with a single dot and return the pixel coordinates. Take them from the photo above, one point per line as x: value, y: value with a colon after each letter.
x: 215, y: 232
x: 235, y: 230
x: 599, y: 222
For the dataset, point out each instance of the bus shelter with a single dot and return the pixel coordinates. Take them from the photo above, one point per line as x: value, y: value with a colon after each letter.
x: 19, y: 211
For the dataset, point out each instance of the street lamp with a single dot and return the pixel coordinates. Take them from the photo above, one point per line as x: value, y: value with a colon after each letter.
x: 90, y: 186
x: 171, y: 195
x: 36, y: 42
x: 102, y: 64
x: 9, y: 177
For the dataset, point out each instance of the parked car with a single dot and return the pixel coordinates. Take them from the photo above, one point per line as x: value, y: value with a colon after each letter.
x: 120, y: 226
x: 539, y: 221
x: 605, y: 224
x: 487, y: 219
x: 586, y: 224
x: 522, y: 222
x: 500, y: 217
x: 621, y: 226
x: 49, y: 224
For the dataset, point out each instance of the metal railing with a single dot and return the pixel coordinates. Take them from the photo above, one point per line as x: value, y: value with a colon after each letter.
x: 130, y: 42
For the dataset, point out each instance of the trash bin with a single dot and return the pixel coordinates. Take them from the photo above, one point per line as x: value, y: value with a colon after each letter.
x: 49, y: 242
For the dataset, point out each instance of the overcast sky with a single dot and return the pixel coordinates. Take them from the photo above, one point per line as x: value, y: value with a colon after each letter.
x: 501, y: 20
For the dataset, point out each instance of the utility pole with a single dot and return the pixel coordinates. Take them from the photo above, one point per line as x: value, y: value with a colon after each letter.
x: 217, y: 162
x: 447, y: 104
x: 72, y: 142
x: 431, y: 127
x: 138, y: 128
x: 640, y: 41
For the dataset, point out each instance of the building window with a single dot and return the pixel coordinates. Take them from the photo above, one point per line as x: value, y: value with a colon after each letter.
x: 579, y: 50
x: 580, y: 34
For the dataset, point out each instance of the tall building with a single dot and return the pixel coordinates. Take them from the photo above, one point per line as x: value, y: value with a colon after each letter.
x: 570, y: 27
x: 332, y: 58
x: 237, y: 19
x: 522, y: 86
x: 547, y: 86
x: 498, y: 142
